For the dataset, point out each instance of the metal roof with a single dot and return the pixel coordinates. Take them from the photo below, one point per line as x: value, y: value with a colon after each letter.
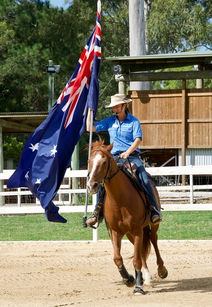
x: 21, y: 122
x: 161, y: 61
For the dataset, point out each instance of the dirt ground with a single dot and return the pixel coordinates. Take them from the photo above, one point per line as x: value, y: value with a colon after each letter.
x: 83, y: 274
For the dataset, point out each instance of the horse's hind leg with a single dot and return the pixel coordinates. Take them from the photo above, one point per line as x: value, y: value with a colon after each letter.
x: 146, y: 246
x: 162, y: 271
x: 138, y: 263
x: 117, y: 258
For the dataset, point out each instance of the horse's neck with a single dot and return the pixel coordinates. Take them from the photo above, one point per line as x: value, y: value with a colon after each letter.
x: 117, y: 185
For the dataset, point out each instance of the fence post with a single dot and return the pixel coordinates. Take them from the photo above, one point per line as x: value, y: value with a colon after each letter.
x: 75, y: 166
x: 95, y: 231
x: 19, y: 197
x: 1, y: 165
x: 191, y: 189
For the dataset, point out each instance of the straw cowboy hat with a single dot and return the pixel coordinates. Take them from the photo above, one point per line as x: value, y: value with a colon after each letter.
x: 118, y: 99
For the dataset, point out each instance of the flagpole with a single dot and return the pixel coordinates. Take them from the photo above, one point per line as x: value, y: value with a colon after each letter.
x: 91, y: 133
x: 99, y: 6
x: 90, y: 117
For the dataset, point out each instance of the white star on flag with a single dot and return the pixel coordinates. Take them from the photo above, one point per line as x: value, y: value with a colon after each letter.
x: 53, y: 151
x: 38, y: 181
x: 27, y: 175
x: 34, y: 147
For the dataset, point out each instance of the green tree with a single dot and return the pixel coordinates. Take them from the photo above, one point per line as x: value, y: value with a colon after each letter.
x: 34, y: 32
x: 175, y: 26
x: 115, y: 42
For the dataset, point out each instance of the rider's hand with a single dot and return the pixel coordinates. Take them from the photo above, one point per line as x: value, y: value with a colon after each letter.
x: 124, y: 155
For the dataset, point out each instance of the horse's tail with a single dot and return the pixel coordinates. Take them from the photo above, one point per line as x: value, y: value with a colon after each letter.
x: 146, y: 246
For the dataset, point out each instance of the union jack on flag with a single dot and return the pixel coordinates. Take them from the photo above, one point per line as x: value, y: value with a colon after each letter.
x: 47, y: 153
x: 82, y: 75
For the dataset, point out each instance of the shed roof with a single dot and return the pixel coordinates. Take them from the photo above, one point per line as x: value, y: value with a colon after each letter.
x: 161, y: 61
x: 21, y: 122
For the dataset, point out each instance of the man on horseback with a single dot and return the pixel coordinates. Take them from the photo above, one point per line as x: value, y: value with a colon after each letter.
x: 125, y: 134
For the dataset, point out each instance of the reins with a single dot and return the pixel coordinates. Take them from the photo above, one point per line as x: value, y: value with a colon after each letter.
x: 107, y: 177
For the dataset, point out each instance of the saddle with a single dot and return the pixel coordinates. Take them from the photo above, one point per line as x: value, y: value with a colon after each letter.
x: 130, y: 170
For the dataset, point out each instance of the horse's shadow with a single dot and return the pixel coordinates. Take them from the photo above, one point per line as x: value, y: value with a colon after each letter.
x: 202, y: 285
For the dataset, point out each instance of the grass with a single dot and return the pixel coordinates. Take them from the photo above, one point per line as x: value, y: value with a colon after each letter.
x: 193, y: 225
x: 180, y: 225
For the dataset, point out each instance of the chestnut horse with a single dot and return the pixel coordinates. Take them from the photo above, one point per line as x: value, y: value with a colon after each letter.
x: 125, y: 213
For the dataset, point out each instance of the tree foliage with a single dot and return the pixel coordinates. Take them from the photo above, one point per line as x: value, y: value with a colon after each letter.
x: 33, y: 32
x: 175, y: 26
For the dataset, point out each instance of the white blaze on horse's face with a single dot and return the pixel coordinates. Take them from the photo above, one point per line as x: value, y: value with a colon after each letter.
x: 92, y: 184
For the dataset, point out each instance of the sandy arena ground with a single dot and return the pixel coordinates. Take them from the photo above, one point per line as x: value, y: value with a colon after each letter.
x: 83, y: 274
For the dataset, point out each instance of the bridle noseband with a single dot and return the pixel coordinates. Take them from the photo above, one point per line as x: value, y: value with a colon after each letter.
x: 108, y: 177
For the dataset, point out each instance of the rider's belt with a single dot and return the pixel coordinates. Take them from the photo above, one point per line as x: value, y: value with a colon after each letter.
x: 134, y: 153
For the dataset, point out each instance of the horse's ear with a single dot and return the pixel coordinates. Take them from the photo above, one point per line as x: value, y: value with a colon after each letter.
x: 109, y: 147
x: 101, y: 141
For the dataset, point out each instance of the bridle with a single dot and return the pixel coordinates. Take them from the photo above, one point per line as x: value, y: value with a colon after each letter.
x: 108, y: 177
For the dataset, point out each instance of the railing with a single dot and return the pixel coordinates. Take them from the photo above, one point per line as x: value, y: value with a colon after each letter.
x: 188, y: 195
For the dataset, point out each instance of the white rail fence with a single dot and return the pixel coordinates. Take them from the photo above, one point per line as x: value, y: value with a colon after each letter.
x: 174, y: 197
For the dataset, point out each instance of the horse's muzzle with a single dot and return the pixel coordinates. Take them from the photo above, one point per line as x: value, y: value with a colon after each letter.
x: 93, y: 187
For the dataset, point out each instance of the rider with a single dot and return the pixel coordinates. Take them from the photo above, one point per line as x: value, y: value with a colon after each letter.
x: 125, y: 134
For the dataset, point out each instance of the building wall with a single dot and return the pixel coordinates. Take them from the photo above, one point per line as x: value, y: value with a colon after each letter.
x: 196, y: 157
x: 161, y: 114
x: 200, y: 118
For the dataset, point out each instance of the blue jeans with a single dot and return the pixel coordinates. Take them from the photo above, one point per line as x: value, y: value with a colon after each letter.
x: 144, y: 180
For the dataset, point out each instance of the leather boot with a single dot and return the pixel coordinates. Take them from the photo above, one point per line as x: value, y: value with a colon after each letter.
x: 155, y: 216
x: 156, y: 219
x: 96, y: 217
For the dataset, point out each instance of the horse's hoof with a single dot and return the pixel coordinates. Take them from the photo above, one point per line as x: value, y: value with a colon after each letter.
x: 162, y: 272
x: 139, y: 290
x: 130, y: 281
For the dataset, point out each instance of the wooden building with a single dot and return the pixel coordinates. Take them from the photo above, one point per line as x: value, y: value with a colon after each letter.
x: 174, y: 122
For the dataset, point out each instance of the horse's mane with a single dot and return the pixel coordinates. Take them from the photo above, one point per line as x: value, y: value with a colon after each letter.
x: 98, y: 144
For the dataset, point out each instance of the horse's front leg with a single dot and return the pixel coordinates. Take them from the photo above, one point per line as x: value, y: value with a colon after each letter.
x: 117, y: 258
x: 137, y: 262
x: 145, y: 250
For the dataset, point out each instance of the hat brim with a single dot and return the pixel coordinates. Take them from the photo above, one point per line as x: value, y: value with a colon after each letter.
x: 113, y: 104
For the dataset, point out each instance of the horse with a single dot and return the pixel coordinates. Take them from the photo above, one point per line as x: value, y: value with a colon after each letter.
x: 125, y: 213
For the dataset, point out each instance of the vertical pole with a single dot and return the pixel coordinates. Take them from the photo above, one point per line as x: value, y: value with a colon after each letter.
x: 1, y: 165
x: 121, y: 87
x: 95, y: 231
x: 137, y: 36
x: 75, y: 166
x: 90, y: 111
x: 184, y: 128
x: 191, y: 190
x: 19, y: 197
x: 91, y: 133
x: 51, y: 87
x: 199, y: 83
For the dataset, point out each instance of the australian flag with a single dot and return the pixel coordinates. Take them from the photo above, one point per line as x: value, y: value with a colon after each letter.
x: 48, y: 151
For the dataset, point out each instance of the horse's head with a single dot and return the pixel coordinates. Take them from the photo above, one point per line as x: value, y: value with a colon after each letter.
x: 100, y: 166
